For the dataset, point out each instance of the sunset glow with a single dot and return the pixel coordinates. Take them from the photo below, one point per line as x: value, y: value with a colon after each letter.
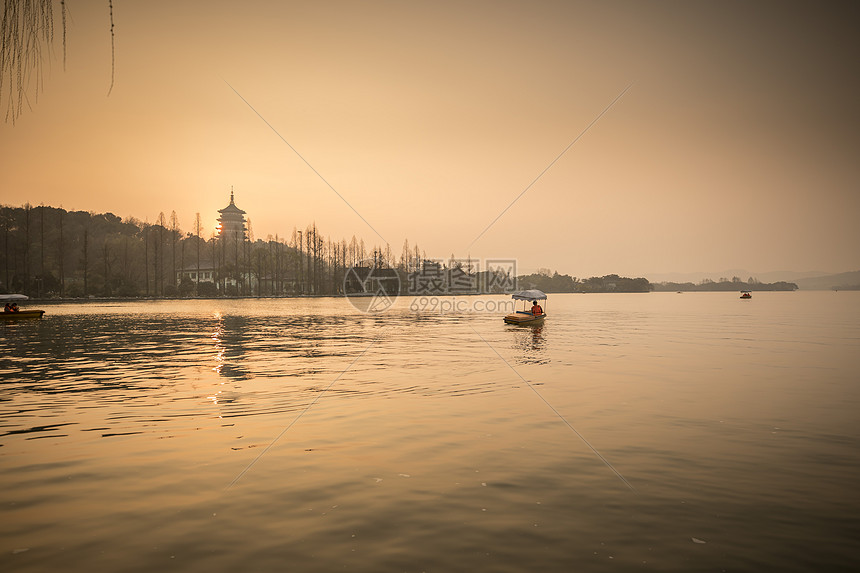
x: 735, y: 146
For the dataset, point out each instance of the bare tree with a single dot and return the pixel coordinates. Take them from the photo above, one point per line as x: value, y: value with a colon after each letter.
x: 250, y: 241
x: 107, y: 290
x: 159, y: 260
x: 174, y: 235
x: 27, y: 210
x: 85, y: 261
x: 274, y: 252
x: 300, y: 261
x: 61, y: 256
x: 353, y: 251
x: 197, y: 240
x: 7, y: 223
x: 216, y: 263
x: 41, y: 245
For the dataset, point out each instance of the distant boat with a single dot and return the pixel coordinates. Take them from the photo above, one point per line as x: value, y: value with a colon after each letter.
x: 527, y: 317
x: 746, y: 294
x: 18, y: 314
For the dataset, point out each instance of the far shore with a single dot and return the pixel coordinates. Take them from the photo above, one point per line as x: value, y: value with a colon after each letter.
x: 102, y: 299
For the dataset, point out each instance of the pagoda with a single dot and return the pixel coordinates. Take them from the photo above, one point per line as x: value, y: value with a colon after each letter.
x: 231, y: 223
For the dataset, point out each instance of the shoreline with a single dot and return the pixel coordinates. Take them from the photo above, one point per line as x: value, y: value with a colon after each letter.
x: 102, y: 299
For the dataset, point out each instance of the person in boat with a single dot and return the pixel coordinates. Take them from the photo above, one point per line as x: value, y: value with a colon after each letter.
x: 536, y: 309
x: 15, y: 307
x: 7, y: 308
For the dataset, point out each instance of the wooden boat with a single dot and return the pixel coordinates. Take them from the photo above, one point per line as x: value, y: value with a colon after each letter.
x: 29, y: 313
x: 526, y: 317
x: 18, y: 314
x: 746, y: 294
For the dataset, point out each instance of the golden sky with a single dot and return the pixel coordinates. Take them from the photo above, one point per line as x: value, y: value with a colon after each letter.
x: 735, y: 147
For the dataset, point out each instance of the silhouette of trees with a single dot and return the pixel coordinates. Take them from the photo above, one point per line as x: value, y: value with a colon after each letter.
x: 51, y: 252
x: 549, y: 281
x: 736, y: 284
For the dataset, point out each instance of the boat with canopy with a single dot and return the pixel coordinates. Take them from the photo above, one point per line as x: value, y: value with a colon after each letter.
x: 11, y: 311
x: 526, y: 316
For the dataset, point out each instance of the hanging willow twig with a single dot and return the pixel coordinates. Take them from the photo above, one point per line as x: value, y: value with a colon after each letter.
x: 112, y: 48
x: 63, y: 10
x: 26, y: 29
x: 26, y: 39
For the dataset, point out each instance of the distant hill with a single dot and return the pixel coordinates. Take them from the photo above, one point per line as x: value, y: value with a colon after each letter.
x: 565, y: 283
x: 733, y: 285
x: 743, y: 274
x: 845, y: 281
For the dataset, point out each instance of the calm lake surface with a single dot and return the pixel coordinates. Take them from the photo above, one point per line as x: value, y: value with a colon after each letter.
x: 662, y: 431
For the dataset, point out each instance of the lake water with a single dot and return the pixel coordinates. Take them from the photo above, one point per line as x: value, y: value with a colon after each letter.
x: 662, y: 431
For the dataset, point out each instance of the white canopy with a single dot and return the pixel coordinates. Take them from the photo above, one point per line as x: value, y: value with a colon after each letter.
x: 532, y: 294
x: 12, y: 297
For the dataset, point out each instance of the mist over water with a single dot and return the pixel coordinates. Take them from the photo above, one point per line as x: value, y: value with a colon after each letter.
x: 302, y: 434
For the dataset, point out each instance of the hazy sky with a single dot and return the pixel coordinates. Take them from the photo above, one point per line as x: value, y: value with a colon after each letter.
x: 736, y: 146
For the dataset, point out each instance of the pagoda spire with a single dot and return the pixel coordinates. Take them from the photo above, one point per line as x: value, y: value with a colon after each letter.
x: 232, y: 220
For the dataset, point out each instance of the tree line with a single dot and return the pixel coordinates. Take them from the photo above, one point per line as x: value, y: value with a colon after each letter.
x: 553, y: 282
x: 725, y: 284
x: 48, y: 252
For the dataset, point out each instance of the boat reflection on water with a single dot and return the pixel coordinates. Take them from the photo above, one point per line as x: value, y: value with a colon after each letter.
x: 531, y: 345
